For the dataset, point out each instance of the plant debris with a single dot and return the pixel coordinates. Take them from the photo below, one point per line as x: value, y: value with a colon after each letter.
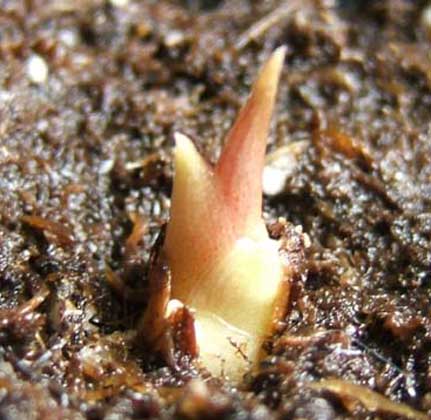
x: 372, y: 401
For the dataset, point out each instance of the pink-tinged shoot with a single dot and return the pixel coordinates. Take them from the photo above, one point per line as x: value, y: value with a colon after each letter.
x: 224, y: 266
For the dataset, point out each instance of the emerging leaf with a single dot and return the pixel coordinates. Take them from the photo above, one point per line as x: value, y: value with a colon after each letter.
x: 224, y: 266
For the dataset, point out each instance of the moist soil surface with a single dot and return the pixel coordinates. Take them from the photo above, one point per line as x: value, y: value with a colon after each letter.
x: 91, y: 93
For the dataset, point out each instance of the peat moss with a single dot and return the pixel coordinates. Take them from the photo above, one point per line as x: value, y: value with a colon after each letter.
x: 85, y: 179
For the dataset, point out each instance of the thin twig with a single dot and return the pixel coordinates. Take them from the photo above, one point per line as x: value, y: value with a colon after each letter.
x: 262, y: 25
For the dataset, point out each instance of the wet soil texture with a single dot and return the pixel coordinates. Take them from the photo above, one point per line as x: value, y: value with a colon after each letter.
x: 91, y: 93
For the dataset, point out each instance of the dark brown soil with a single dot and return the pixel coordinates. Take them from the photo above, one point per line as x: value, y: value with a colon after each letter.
x: 90, y: 95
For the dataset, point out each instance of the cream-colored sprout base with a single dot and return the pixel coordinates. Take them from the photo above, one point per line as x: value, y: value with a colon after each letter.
x: 236, y: 314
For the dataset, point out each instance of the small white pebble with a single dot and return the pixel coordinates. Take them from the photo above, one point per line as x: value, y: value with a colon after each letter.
x: 273, y: 180
x: 25, y: 255
x: 37, y: 69
x: 119, y: 3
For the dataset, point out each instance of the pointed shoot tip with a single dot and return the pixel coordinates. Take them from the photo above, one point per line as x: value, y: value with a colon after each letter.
x: 187, y: 157
x: 239, y: 170
x: 271, y: 71
x: 181, y: 140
